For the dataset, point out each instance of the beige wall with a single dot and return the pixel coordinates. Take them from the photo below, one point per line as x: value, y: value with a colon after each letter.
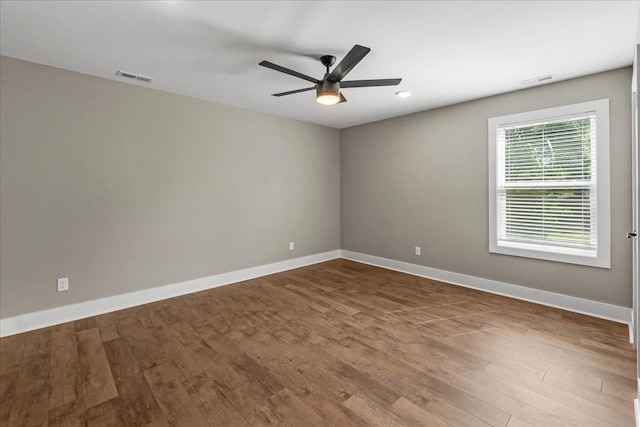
x: 422, y: 180
x: 123, y: 188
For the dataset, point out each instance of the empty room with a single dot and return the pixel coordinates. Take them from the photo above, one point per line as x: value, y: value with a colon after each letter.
x: 319, y: 213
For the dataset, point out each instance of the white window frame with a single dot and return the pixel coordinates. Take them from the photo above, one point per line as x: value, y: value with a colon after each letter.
x: 602, y: 256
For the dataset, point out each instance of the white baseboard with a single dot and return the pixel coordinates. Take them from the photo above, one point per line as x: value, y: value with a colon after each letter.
x: 55, y: 316
x: 636, y: 410
x: 578, y: 305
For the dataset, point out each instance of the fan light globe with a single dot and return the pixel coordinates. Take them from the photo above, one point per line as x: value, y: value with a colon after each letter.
x: 328, y: 98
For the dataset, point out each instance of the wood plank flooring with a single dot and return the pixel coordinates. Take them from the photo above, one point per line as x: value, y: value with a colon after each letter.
x: 338, y: 343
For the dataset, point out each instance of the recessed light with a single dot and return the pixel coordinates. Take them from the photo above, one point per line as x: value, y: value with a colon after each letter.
x: 403, y: 94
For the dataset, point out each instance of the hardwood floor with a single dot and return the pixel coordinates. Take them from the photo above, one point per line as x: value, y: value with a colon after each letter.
x: 337, y: 343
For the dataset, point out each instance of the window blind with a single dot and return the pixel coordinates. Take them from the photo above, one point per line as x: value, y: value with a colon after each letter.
x: 546, y: 184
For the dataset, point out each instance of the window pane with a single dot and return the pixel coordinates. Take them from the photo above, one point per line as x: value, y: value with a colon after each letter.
x: 549, y: 184
x: 549, y: 151
x: 557, y: 217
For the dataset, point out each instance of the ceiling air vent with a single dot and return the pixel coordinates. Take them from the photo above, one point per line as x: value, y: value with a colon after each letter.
x: 535, y: 80
x: 135, y: 76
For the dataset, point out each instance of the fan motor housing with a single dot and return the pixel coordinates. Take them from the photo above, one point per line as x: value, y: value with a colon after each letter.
x: 327, y: 87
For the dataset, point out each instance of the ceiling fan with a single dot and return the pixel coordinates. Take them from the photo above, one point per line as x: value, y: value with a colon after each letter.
x: 328, y: 89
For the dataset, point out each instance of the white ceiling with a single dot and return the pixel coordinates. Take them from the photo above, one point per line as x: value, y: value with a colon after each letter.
x: 445, y: 51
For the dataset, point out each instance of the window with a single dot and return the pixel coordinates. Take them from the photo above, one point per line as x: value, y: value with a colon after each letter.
x: 549, y: 184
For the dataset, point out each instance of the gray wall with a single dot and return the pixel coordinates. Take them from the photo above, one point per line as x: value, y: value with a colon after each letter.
x: 422, y: 180
x: 123, y: 188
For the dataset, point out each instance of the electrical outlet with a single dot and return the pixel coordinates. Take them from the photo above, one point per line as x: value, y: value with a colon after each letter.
x: 291, y: 246
x: 418, y: 251
x: 63, y: 284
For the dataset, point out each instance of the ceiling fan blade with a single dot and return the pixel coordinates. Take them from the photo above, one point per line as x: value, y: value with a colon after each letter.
x: 342, y: 99
x: 287, y: 71
x: 368, y: 83
x: 354, y: 56
x: 291, y: 92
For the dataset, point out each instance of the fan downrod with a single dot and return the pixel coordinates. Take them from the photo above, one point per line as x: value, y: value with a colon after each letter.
x: 328, y: 61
